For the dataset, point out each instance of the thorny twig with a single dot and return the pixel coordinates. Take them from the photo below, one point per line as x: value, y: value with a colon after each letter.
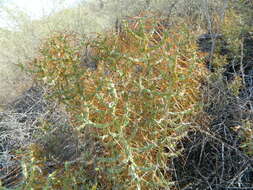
x: 219, y: 139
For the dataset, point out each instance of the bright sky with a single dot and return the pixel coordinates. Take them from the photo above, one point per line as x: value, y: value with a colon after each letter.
x: 38, y: 8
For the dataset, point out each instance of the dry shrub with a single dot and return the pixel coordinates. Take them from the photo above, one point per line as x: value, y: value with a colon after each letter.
x: 13, y: 83
x: 139, y: 103
x: 214, y: 155
x: 219, y: 155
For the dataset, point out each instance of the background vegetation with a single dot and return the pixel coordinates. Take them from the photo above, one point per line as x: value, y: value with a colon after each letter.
x: 156, y: 95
